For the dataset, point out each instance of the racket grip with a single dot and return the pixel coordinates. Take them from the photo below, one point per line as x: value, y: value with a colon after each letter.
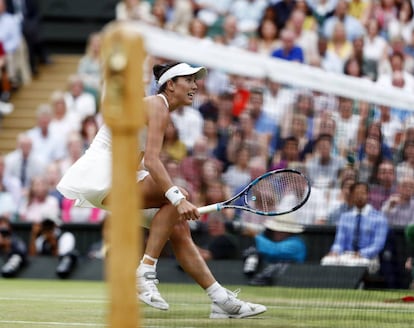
x: 208, y: 209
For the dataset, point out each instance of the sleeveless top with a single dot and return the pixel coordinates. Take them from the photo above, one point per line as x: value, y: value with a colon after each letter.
x: 103, y: 138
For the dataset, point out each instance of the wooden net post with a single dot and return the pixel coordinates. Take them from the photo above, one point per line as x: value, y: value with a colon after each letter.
x: 123, y: 57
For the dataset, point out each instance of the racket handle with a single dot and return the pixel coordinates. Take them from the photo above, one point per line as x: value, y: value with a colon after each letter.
x: 209, y: 208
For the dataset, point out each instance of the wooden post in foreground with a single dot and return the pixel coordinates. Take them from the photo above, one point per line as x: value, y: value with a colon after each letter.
x: 123, y: 55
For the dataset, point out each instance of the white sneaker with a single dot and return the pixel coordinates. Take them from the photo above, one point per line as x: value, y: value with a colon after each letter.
x: 148, y: 291
x: 235, y: 308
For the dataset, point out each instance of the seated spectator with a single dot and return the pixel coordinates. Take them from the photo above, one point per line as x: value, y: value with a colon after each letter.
x: 368, y: 166
x: 8, y: 206
x: 78, y: 101
x: 89, y: 129
x: 135, y: 10
x: 219, y: 244
x: 14, y: 45
x: 406, y: 166
x: 338, y: 44
x: 63, y: 122
x: 361, y: 234
x: 23, y: 163
x: 323, y: 168
x: 339, y: 200
x: 276, y: 243
x: 47, y: 238
x: 384, y: 186
x: 89, y: 67
x: 12, y: 248
x: 172, y: 146
x: 237, y: 175
x: 183, y: 118
x: 48, y: 143
x: 267, y: 34
x: 288, y: 49
x: 399, y: 207
x: 38, y: 204
x: 288, y: 153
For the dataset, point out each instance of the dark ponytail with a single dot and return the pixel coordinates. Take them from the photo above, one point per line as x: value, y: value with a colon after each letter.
x: 159, y: 70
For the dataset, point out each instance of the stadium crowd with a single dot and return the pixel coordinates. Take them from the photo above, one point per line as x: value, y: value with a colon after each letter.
x: 240, y: 127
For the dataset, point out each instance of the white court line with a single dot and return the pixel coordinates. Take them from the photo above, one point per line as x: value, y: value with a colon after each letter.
x: 63, y: 300
x: 51, y: 323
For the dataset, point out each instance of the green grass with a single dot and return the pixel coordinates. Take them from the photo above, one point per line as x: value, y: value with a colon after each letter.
x: 44, y: 303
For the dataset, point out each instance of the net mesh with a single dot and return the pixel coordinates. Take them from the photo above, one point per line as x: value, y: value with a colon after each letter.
x: 336, y: 130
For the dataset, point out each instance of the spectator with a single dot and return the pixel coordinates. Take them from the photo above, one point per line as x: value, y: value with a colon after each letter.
x: 173, y: 147
x: 231, y: 36
x: 368, y: 166
x: 53, y: 175
x: 8, y: 206
x: 384, y: 12
x: 339, y: 200
x: 74, y: 150
x: 248, y: 14
x: 288, y: 49
x: 10, y: 184
x: 211, y: 12
x: 353, y: 28
x: 89, y: 129
x: 323, y: 168
x: 347, y: 124
x: 5, y: 84
x: 89, y: 67
x: 276, y: 244
x: 289, y: 153
x: 38, y: 204
x: 12, y: 39
x: 23, y: 163
x: 28, y: 15
x: 216, y: 141
x: 367, y: 67
x: 219, y: 244
x: 267, y: 34
x: 184, y: 117
x: 399, y: 207
x: 237, y: 174
x: 322, y: 10
x: 282, y: 11
x: 12, y: 248
x: 134, y: 10
x: 306, y: 39
x: 78, y: 101
x: 49, y: 144
x: 375, y: 45
x: 246, y: 135
x: 339, y: 45
x: 262, y: 122
x: 47, y: 238
x: 384, y: 186
x: 360, y: 234
x: 406, y: 167
x: 180, y: 14
x: 62, y: 122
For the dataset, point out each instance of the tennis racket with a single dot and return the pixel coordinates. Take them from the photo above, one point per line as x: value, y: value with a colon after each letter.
x: 273, y: 193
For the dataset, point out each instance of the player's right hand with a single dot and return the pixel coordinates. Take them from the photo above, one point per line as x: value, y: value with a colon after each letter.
x: 187, y: 210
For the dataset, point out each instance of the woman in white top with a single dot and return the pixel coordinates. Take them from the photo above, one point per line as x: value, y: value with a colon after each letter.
x: 89, y: 185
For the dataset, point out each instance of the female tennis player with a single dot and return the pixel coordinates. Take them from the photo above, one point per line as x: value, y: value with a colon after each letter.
x: 90, y: 184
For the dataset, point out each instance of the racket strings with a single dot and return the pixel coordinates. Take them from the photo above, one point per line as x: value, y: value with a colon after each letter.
x: 278, y: 192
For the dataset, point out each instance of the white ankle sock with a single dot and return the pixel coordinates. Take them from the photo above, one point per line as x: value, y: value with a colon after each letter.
x: 143, y: 268
x: 217, y: 293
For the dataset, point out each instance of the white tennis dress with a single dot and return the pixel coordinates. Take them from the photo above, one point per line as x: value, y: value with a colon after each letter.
x: 89, y: 179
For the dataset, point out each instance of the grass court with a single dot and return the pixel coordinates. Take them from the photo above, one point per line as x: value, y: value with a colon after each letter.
x: 56, y: 303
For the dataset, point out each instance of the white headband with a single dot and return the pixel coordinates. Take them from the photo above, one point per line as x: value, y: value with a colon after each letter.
x: 182, y: 69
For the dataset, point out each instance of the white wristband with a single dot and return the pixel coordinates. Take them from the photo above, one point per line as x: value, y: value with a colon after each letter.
x: 174, y: 195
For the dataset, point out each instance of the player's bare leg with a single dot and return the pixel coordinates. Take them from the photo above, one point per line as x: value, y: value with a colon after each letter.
x: 225, y: 303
